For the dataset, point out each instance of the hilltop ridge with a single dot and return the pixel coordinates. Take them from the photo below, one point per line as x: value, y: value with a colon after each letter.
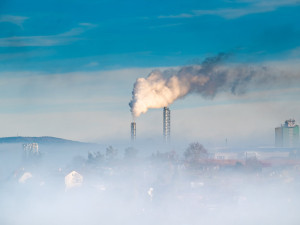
x: 40, y: 140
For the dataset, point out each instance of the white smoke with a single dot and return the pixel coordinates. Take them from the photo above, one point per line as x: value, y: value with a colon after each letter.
x: 161, y: 89
x: 156, y: 91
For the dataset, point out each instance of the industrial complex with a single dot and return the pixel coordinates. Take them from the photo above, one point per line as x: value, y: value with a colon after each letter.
x: 286, y: 136
x: 166, y: 127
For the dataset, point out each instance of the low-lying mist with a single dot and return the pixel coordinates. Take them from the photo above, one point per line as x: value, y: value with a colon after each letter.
x: 122, y: 186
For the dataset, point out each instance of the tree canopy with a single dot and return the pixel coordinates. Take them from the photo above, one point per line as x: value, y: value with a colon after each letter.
x: 195, y: 151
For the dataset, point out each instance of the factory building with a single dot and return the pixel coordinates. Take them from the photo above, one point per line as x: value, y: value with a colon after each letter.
x: 287, y: 135
x: 166, y: 124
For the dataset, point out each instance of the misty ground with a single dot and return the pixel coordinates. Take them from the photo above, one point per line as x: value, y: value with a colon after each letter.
x: 125, y: 188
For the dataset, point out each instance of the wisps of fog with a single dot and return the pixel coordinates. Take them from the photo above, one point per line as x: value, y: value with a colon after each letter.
x: 137, y: 186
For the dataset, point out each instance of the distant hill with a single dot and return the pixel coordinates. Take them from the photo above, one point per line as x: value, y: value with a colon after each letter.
x: 39, y: 140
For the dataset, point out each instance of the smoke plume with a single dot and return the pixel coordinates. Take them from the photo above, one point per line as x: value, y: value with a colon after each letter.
x: 161, y: 89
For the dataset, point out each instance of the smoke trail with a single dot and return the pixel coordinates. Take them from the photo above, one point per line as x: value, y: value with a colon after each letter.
x: 161, y: 89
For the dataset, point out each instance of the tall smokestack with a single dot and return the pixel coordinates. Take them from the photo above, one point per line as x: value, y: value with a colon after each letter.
x: 166, y: 124
x: 133, y: 131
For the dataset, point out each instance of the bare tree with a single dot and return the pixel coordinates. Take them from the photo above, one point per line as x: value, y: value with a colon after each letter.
x: 95, y: 157
x: 195, y: 151
x: 111, y: 153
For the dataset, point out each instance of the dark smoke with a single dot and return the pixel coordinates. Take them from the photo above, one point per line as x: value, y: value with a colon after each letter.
x: 208, y: 79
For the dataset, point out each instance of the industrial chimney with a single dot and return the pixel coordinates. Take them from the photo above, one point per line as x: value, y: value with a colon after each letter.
x: 133, y: 131
x: 166, y: 124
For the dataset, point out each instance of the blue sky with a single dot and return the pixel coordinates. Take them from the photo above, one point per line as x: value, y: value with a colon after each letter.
x: 81, y: 35
x: 64, y: 58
